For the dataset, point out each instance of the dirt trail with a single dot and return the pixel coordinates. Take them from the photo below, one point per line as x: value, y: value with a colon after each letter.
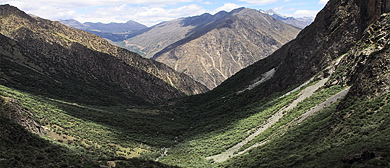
x: 304, y: 116
x: 307, y: 92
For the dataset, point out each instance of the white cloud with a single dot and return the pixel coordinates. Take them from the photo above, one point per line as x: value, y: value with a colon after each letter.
x: 260, y: 2
x: 226, y: 7
x: 43, y: 10
x: 146, y: 15
x: 323, y: 1
x: 205, y: 3
x: 302, y: 13
x: 148, y: 12
x: 87, y: 3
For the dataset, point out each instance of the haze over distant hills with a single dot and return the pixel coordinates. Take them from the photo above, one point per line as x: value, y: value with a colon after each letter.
x: 128, y: 27
x: 111, y: 31
x: 297, y: 22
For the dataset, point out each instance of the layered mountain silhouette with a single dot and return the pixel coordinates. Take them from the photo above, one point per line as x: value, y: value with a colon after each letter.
x: 211, y: 48
x: 297, y: 22
x: 208, y: 48
x: 112, y: 31
x: 156, y: 38
x: 48, y: 57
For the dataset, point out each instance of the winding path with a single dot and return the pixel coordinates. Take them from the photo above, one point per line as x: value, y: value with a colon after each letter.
x: 304, y: 116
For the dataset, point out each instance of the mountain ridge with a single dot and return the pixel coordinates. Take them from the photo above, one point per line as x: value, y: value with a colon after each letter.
x: 300, y: 22
x: 220, y: 49
x: 66, y: 42
x: 112, y: 27
x: 112, y: 31
x: 155, y: 38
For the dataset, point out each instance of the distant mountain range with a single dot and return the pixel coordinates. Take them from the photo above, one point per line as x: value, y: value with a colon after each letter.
x: 112, y: 31
x: 202, y: 46
x: 208, y: 48
x: 156, y: 38
x: 211, y: 48
x: 297, y: 22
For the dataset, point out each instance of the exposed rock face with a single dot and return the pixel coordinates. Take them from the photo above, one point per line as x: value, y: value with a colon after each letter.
x: 55, y: 52
x: 367, y: 65
x: 217, y: 51
x: 11, y: 109
x: 336, y: 29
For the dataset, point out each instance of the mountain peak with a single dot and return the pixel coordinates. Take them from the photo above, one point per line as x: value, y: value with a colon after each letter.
x: 271, y: 12
x: 7, y: 10
x: 297, y: 22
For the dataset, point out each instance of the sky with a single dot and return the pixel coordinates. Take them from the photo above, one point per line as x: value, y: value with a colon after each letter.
x: 152, y: 12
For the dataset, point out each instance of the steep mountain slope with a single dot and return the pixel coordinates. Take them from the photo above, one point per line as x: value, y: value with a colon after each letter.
x: 37, y: 131
x: 47, y: 57
x: 315, y: 47
x: 297, y: 22
x: 111, y: 31
x: 220, y: 49
x: 353, y: 132
x: 319, y: 101
x: 157, y: 37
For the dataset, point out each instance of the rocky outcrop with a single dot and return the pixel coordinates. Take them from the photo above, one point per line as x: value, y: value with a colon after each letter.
x: 217, y: 51
x: 366, y: 66
x: 10, y: 108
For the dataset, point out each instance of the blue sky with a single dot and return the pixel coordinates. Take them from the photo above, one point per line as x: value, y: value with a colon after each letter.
x: 151, y: 12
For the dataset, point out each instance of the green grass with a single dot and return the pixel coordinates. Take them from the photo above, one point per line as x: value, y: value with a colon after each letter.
x: 301, y: 108
x: 107, y: 132
x: 356, y: 136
